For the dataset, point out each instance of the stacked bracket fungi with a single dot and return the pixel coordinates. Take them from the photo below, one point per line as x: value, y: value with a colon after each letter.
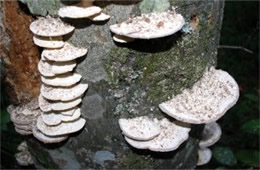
x: 148, y: 26
x: 84, y: 9
x: 206, y: 102
x: 61, y: 90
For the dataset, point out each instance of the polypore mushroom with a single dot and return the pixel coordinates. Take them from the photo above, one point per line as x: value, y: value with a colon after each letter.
x: 100, y: 17
x: 140, y: 128
x: 204, y: 156
x: 63, y: 93
x: 207, y: 101
x: 63, y: 80
x: 24, y: 158
x: 52, y: 118
x: 48, y: 42
x: 61, y: 129
x: 47, y: 139
x: 78, y: 12
x: 210, y: 135
x: 67, y: 53
x: 47, y: 106
x: 148, y: 26
x: 50, y: 27
x: 122, y: 39
x: 51, y: 68
x: 171, y: 136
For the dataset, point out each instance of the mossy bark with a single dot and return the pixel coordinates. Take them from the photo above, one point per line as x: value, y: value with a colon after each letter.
x: 129, y: 80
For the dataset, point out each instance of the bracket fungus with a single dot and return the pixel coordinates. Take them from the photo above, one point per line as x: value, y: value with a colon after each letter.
x: 151, y: 25
x: 210, y: 135
x: 204, y: 156
x: 48, y: 42
x: 67, y: 53
x: 24, y: 157
x: 172, y: 134
x: 207, y: 101
x: 67, y: 79
x: 78, y: 12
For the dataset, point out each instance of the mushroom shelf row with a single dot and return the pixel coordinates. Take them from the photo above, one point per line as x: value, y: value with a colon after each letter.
x: 61, y: 91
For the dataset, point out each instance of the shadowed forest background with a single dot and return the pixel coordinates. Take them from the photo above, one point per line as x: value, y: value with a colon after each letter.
x: 238, y: 147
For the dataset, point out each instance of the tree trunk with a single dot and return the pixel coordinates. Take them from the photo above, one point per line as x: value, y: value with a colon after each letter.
x: 126, y: 81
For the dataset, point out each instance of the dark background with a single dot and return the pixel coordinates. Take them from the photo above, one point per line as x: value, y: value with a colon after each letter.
x: 238, y: 147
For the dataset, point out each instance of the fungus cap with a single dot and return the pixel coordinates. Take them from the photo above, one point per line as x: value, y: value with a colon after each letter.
x: 61, y: 129
x: 47, y: 139
x: 67, y: 53
x: 48, y: 42
x: 207, y: 101
x: 63, y: 80
x: 210, y: 135
x: 100, y: 17
x: 172, y: 135
x: 22, y: 146
x: 78, y: 12
x: 63, y: 93
x: 27, y: 127
x: 47, y: 106
x: 54, y: 118
x: 50, y: 27
x: 140, y: 128
x: 204, y: 156
x: 148, y: 26
x: 122, y: 39
x: 17, y: 116
x: 23, y: 132
x: 50, y: 68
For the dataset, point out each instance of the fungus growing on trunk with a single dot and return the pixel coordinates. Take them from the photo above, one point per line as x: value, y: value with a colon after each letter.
x: 148, y: 26
x: 210, y: 135
x: 63, y: 80
x: 204, y: 156
x: 207, y: 101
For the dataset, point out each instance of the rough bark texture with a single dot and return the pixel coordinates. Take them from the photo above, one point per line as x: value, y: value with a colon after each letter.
x: 131, y: 80
x: 20, y: 56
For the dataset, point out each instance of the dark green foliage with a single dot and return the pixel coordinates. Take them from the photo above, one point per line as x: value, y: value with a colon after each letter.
x: 249, y: 157
x: 224, y: 155
x: 252, y: 127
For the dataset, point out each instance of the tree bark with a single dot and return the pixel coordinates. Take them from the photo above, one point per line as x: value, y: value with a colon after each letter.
x: 130, y: 80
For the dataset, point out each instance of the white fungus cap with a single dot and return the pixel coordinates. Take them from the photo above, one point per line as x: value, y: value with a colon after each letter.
x: 210, y: 135
x: 122, y: 39
x: 148, y: 26
x: 50, y: 27
x: 204, y: 156
x: 50, y: 68
x: 63, y: 93
x: 47, y: 139
x: 140, y: 128
x: 172, y: 135
x: 207, y: 101
x: 47, y: 106
x: 100, y: 17
x: 22, y: 131
x: 48, y: 42
x: 22, y: 146
x: 55, y: 118
x: 63, y: 80
x: 61, y: 129
x: 78, y: 12
x: 24, y: 127
x: 67, y: 53
x: 24, y: 158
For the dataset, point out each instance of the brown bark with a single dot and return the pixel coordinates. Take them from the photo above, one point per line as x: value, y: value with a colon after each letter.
x: 20, y: 56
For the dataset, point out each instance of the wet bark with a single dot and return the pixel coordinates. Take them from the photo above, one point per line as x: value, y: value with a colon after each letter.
x: 129, y: 80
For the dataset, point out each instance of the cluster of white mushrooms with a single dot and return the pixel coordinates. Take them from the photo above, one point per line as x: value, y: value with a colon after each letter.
x: 207, y: 101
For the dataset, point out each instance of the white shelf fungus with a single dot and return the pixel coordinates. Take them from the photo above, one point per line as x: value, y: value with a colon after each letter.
x: 100, y: 17
x: 210, y: 135
x: 50, y: 27
x: 51, y: 68
x: 171, y: 136
x: 61, y: 129
x: 67, y: 53
x: 140, y: 128
x: 207, y: 101
x: 55, y: 118
x: 63, y: 93
x: 204, y: 156
x: 63, y: 80
x: 48, y: 42
x: 122, y: 39
x: 78, y: 12
x: 47, y: 106
x: 148, y: 26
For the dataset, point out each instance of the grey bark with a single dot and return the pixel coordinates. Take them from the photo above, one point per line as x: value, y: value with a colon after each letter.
x: 131, y: 80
